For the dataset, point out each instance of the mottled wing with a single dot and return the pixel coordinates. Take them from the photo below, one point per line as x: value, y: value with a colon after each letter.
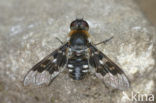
x: 107, y: 70
x: 48, y: 68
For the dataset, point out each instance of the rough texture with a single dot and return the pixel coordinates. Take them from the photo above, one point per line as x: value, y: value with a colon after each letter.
x: 27, y: 34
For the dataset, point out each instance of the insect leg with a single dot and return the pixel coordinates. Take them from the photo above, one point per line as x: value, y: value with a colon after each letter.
x: 105, y: 41
x: 59, y: 40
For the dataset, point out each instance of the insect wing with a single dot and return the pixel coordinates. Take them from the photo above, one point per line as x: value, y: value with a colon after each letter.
x: 48, y: 68
x: 107, y: 70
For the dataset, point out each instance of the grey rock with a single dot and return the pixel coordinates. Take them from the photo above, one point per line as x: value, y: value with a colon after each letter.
x: 27, y: 34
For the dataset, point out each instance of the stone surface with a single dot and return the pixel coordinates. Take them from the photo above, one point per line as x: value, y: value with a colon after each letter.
x: 27, y: 34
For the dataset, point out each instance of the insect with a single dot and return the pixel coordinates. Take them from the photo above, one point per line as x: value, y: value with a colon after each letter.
x: 81, y: 57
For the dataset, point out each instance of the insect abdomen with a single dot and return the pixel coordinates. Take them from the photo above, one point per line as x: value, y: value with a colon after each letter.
x: 78, y: 67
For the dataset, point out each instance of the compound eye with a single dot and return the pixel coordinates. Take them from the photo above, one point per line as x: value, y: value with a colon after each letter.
x: 85, y: 24
x: 72, y: 24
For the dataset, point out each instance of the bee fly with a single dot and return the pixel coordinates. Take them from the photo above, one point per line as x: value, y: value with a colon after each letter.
x: 80, y: 56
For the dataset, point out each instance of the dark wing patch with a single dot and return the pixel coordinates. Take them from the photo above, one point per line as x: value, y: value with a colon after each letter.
x: 48, y: 68
x: 107, y: 70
